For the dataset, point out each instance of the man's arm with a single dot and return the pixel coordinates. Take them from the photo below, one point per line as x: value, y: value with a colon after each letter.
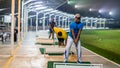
x: 78, y: 36
x: 73, y: 35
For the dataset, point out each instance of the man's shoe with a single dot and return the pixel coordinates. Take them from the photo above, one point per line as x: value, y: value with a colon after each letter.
x: 79, y: 62
x: 65, y: 61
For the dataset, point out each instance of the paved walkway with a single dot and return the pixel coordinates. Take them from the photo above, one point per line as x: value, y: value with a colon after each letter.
x: 29, y: 56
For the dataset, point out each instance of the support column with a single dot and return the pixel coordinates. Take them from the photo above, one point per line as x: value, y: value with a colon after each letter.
x: 55, y: 20
x: 91, y: 21
x: 44, y: 22
x: 19, y: 21
x: 104, y: 23
x: 31, y: 23
x: 96, y: 23
x: 68, y: 22
x: 62, y: 22
x: 12, y: 26
x: 24, y: 26
x: 86, y: 22
x: 26, y: 21
x: 100, y: 22
x: 22, y: 23
x: 65, y: 22
x: 58, y: 21
x: 36, y: 21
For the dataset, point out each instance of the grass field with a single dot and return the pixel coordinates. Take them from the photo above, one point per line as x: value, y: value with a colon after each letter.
x: 103, y: 42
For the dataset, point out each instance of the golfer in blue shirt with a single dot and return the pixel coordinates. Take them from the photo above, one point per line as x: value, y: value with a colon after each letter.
x: 74, y: 37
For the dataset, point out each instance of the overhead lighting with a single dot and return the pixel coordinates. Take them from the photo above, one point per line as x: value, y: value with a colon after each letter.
x: 100, y: 11
x: 36, y: 6
x: 76, y: 6
x: 3, y: 9
x: 35, y: 3
x: 43, y: 7
x: 110, y: 13
x: 90, y: 9
x: 48, y: 9
x: 28, y: 1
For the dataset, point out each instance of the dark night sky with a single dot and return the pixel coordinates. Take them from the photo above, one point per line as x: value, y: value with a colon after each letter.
x: 107, y: 5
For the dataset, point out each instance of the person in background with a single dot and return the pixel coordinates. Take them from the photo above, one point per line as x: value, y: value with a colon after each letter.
x: 74, y: 37
x: 51, y: 26
x: 15, y: 34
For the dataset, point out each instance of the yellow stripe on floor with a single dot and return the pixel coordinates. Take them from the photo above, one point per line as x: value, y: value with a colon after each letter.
x: 11, y: 58
x: 8, y: 62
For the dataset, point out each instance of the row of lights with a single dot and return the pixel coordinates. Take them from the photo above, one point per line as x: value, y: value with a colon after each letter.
x: 111, y: 13
x: 101, y: 11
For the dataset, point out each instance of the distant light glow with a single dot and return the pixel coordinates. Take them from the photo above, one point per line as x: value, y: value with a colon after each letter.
x: 100, y: 11
x: 79, y: 6
x: 90, y: 9
x: 41, y: 8
x: 76, y: 6
x: 110, y: 13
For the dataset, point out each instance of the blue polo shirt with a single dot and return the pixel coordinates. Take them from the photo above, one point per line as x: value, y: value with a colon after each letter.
x: 75, y: 26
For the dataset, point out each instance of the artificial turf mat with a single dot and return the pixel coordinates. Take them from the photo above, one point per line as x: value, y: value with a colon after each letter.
x: 56, y: 43
x: 42, y: 50
x: 55, y: 53
x: 50, y: 63
x: 46, y: 43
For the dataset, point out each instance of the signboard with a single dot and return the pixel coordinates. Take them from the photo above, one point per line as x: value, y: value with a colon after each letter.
x: 7, y: 19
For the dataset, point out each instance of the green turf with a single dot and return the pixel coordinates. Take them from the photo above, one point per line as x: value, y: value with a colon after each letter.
x: 55, y: 53
x: 50, y: 63
x: 56, y: 43
x: 42, y: 50
x: 103, y: 42
x: 46, y: 43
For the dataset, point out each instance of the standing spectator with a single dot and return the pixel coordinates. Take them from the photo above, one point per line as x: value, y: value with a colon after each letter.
x: 15, y: 35
x: 51, y: 26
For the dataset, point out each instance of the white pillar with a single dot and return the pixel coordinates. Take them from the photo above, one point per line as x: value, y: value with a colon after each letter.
x: 43, y: 22
x: 65, y: 22
x: 26, y: 20
x: 59, y: 21
x: 12, y: 26
x: 62, y: 22
x: 104, y: 22
x: 68, y: 21
x: 55, y: 20
x: 24, y: 26
x: 22, y: 23
x: 96, y: 23
x: 31, y: 23
x: 86, y: 22
x: 36, y: 21
x: 91, y: 21
x: 19, y: 21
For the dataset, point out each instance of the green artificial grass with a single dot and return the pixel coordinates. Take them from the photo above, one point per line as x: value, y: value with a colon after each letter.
x: 56, y: 43
x: 50, y: 63
x: 42, y: 50
x: 103, y: 42
x: 55, y: 53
